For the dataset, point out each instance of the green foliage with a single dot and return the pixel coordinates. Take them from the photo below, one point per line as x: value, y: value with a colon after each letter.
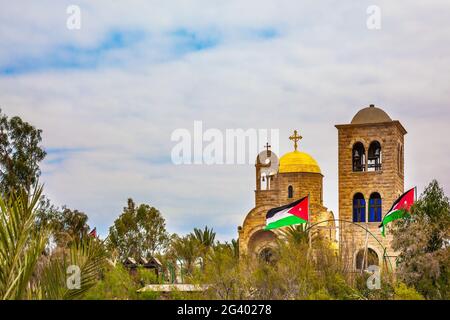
x: 25, y: 272
x: 296, y: 234
x: 146, y: 276
x: 87, y: 254
x: 116, y: 284
x: 70, y: 226
x: 223, y: 274
x: 386, y: 291
x: 138, y: 232
x: 403, y: 292
x: 149, y: 295
x: 20, y: 243
x: 186, y: 250
x: 321, y: 294
x: 205, y: 237
x: 119, y: 283
x: 294, y: 274
x: 20, y: 154
x: 423, y: 240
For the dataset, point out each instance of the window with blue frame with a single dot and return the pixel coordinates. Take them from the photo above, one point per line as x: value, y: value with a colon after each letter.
x: 359, y: 208
x: 375, y: 207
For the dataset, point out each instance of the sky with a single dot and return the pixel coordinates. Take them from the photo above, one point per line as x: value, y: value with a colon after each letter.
x: 109, y: 95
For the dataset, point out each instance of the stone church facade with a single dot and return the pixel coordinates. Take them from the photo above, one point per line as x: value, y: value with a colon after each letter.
x: 371, y: 177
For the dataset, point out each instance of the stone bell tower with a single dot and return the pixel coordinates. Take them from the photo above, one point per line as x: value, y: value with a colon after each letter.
x: 371, y: 177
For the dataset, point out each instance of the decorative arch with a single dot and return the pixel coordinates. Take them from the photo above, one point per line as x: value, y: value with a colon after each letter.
x: 374, y: 158
x: 383, y: 257
x: 261, y: 240
x: 363, y: 259
x: 359, y: 157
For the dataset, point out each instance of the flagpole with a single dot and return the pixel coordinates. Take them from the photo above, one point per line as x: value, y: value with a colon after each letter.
x: 365, y: 250
x: 309, y: 232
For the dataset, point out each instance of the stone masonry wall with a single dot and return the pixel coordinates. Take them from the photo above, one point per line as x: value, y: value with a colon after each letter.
x: 388, y: 182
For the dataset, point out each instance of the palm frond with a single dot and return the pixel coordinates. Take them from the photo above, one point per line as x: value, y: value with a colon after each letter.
x: 87, y: 255
x: 20, y: 244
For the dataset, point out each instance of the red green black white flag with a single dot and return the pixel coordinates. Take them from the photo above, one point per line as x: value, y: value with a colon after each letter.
x: 399, y: 209
x: 294, y: 213
x: 93, y: 233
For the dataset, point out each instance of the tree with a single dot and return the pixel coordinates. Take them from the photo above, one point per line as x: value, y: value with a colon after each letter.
x: 138, y: 232
x: 205, y: 239
x: 20, y: 154
x: 296, y: 234
x: 186, y: 250
x: 66, y: 225
x: 69, y: 226
x: 24, y: 271
x: 423, y: 242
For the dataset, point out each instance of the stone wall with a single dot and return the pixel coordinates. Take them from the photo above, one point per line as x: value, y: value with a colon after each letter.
x: 303, y: 183
x: 388, y: 182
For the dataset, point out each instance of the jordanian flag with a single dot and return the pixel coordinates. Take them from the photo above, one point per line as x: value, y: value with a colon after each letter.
x: 399, y: 209
x: 293, y: 213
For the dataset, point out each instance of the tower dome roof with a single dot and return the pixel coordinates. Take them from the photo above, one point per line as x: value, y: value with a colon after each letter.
x: 298, y: 161
x: 370, y: 114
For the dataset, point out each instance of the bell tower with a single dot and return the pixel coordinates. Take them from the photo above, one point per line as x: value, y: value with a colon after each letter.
x: 371, y: 177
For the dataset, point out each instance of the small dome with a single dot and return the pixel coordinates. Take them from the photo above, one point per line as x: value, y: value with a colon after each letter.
x: 371, y: 114
x: 297, y: 161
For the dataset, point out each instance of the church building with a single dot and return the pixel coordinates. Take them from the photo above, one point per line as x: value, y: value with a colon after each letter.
x: 371, y: 177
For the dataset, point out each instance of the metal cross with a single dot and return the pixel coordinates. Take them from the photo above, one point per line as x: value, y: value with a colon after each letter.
x: 295, y: 137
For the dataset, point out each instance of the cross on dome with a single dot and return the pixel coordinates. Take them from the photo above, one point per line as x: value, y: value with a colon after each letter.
x: 295, y: 137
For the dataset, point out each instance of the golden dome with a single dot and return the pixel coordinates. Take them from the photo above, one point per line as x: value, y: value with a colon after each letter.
x: 298, y: 161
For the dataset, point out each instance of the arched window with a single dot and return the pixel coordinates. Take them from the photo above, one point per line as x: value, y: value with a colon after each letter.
x: 359, y: 208
x: 374, y: 157
x: 290, y: 192
x: 366, y: 258
x: 398, y: 158
x: 359, y: 157
x: 375, y: 207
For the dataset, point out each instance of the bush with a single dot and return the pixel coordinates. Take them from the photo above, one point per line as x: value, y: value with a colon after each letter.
x: 146, y: 276
x: 149, y: 295
x: 116, y: 284
x: 422, y: 240
x: 403, y: 292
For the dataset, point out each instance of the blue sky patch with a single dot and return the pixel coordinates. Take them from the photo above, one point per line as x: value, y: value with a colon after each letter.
x: 267, y: 33
x: 71, y: 56
x: 57, y: 156
x: 186, y: 41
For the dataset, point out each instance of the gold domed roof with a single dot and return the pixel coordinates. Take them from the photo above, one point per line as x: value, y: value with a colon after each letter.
x: 297, y: 161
